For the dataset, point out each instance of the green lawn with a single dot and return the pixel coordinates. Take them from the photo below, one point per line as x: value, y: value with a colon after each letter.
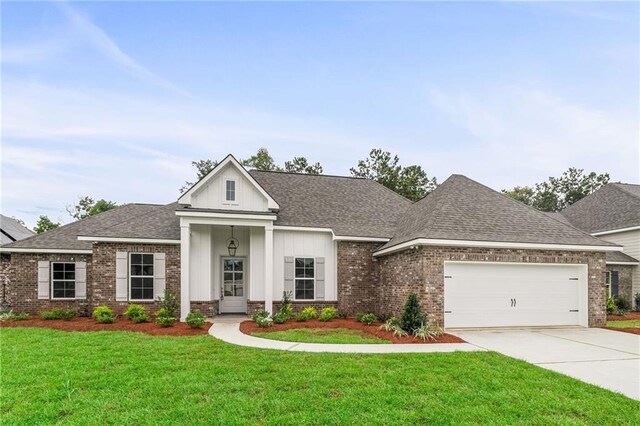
x: 624, y: 324
x: 321, y: 335
x: 51, y: 376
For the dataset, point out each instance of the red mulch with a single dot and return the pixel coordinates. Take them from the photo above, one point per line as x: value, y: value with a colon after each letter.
x: 625, y: 330
x: 249, y: 327
x: 629, y: 316
x: 122, y: 324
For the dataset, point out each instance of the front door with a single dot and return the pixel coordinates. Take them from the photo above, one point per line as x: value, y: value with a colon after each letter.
x: 233, y: 297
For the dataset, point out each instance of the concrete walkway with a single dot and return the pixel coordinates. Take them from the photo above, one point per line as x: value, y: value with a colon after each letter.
x: 228, y: 329
x: 609, y: 359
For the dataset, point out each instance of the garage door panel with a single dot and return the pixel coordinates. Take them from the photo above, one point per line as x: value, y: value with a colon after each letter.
x: 495, y: 295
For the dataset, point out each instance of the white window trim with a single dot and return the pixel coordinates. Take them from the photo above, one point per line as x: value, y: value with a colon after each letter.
x: 52, y: 297
x: 235, y: 190
x: 140, y: 276
x: 607, y: 282
x: 306, y: 279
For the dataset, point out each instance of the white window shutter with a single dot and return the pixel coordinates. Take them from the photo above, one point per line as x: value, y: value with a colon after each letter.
x: 43, y: 279
x: 159, y: 275
x: 289, y: 271
x: 319, y: 278
x: 122, y: 275
x: 81, y: 280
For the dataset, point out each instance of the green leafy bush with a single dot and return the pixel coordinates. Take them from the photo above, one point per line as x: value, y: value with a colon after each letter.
x: 165, y: 321
x: 398, y: 331
x: 58, y: 313
x: 281, y: 318
x: 104, y: 315
x: 359, y: 316
x: 428, y: 331
x: 307, y: 314
x: 19, y: 317
x: 622, y: 303
x: 170, y: 302
x: 264, y: 322
x: 611, y: 305
x: 195, y: 320
x: 286, y: 308
x: 136, y: 313
x: 327, y: 314
x: 413, y: 317
x: 390, y: 324
x: 368, y: 319
x: 261, y: 314
x: 10, y: 316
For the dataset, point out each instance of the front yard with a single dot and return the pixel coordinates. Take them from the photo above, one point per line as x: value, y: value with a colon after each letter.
x: 51, y: 376
x: 629, y: 323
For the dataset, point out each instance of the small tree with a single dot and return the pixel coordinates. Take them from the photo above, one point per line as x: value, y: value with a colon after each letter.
x: 413, y: 317
x: 45, y: 224
x: 170, y: 302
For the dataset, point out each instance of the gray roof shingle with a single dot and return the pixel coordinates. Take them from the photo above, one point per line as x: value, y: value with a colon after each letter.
x: 462, y: 209
x: 618, y: 256
x: 12, y: 230
x: 158, y: 223
x: 614, y: 206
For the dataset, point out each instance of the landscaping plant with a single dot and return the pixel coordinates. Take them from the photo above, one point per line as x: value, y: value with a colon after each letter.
x: 286, y: 308
x: 359, y: 316
x: 327, y: 314
x: 281, y: 317
x: 262, y: 313
x: 165, y: 321
x: 10, y: 316
x: 637, y: 300
x: 264, y: 322
x: 623, y: 304
x: 104, y: 315
x: 307, y: 314
x: 136, y: 313
x: 58, y: 313
x: 195, y: 320
x: 368, y: 319
x: 428, y: 331
x: 170, y: 302
x: 413, y: 317
x: 611, y: 305
x: 390, y: 324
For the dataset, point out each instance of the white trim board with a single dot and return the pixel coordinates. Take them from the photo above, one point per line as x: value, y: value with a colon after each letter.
x: 34, y: 250
x: 246, y: 216
x: 492, y: 244
x: 615, y: 231
x: 127, y: 240
x: 624, y: 263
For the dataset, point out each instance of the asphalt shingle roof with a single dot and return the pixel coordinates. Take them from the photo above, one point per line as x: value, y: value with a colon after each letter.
x: 618, y: 256
x: 12, y: 230
x: 462, y: 209
x: 614, y: 206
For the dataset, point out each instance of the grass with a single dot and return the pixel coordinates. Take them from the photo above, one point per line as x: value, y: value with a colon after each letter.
x: 321, y: 335
x: 624, y: 324
x: 51, y: 376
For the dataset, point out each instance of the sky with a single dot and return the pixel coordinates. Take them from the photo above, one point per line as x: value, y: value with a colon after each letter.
x: 115, y: 99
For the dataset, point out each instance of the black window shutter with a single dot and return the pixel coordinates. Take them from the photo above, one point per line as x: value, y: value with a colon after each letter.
x: 614, y: 283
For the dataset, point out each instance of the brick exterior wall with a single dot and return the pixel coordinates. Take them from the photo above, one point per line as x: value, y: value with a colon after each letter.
x: 358, y: 275
x: 21, y: 292
x: 625, y: 280
x: 208, y: 309
x: 422, y: 271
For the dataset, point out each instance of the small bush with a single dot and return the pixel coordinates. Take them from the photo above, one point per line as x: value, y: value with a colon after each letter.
x: 195, y: 320
x: 359, y: 316
x: 136, y: 313
x: 10, y: 316
x: 327, y: 314
x: 611, y: 305
x: 261, y: 314
x: 636, y: 298
x: 398, y: 331
x: 163, y: 312
x: 428, y: 331
x: 165, y: 321
x: 307, y: 314
x: 58, y: 313
x: 368, y: 319
x: 413, y: 317
x: 390, y: 324
x: 170, y: 302
x: 622, y: 303
x: 281, y: 318
x: 286, y: 308
x: 19, y: 317
x: 104, y: 315
x: 264, y: 322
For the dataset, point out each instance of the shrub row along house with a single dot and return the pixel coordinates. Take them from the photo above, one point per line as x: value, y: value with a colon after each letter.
x: 238, y: 239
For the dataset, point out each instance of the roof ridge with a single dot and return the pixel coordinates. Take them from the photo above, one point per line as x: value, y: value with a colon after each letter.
x: 618, y: 185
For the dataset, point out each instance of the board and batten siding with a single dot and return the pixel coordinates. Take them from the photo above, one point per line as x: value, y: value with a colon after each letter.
x: 304, y: 244
x: 213, y: 196
x: 630, y: 240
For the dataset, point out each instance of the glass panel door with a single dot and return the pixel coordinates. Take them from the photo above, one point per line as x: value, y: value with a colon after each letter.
x: 233, y: 277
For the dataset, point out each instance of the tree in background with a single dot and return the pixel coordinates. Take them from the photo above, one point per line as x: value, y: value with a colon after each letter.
x: 411, y: 182
x: 261, y: 161
x: 86, y: 207
x: 45, y: 224
x: 203, y: 167
x: 556, y: 194
x: 301, y: 165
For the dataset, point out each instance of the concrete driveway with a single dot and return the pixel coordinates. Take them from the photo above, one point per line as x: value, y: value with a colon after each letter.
x: 609, y: 359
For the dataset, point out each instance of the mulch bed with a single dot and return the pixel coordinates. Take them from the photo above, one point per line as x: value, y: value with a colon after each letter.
x: 250, y: 327
x: 625, y: 330
x: 122, y: 324
x: 629, y: 316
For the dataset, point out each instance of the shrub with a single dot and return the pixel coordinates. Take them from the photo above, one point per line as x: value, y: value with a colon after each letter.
x: 359, y: 316
x: 104, y: 315
x: 195, y: 320
x: 368, y: 319
x: 170, y: 302
x: 136, y: 313
x: 281, y: 318
x: 58, y: 313
x: 398, y: 331
x: 637, y: 300
x: 413, y: 317
x: 286, y: 308
x: 390, y: 324
x: 307, y: 314
x: 10, y: 316
x: 428, y: 331
x: 611, y: 305
x: 264, y: 322
x: 622, y: 303
x: 261, y: 314
x: 327, y: 314
x: 165, y: 321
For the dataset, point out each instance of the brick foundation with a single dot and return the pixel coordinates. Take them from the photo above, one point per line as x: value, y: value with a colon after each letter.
x: 209, y: 309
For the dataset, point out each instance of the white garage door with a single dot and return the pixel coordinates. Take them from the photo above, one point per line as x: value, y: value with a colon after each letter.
x: 513, y: 295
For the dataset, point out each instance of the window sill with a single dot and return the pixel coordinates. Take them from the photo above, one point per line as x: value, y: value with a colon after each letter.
x: 63, y: 299
x: 141, y: 301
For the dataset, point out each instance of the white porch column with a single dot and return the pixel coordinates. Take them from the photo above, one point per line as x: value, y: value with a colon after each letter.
x: 185, y: 245
x: 268, y: 268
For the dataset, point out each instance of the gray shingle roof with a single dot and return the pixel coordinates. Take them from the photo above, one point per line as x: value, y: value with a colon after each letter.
x: 349, y: 206
x: 12, y: 230
x: 462, y: 209
x: 66, y: 236
x: 158, y: 223
x: 614, y: 206
x: 618, y: 256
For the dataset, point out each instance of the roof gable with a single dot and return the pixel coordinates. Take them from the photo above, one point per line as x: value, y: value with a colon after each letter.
x: 209, y: 192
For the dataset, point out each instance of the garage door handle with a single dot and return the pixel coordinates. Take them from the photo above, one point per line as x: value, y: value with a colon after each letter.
x: 574, y: 310
x: 515, y: 302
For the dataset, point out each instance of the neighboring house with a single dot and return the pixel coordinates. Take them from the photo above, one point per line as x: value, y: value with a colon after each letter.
x: 612, y: 213
x: 237, y: 239
x: 11, y: 230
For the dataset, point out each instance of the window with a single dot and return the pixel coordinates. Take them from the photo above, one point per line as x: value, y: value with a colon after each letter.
x: 608, y: 282
x: 141, y: 275
x: 63, y: 280
x: 230, y: 190
x: 305, y: 278
x: 233, y: 270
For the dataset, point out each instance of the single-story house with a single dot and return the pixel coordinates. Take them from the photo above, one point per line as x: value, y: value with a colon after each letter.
x: 612, y: 213
x: 237, y: 239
